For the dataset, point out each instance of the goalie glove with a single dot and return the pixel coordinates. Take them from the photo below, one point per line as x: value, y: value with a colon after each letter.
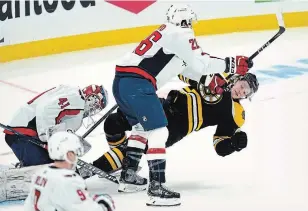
x: 105, y: 201
x: 239, y: 141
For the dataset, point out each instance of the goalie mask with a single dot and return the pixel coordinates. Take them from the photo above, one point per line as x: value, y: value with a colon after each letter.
x: 181, y: 15
x: 96, y: 99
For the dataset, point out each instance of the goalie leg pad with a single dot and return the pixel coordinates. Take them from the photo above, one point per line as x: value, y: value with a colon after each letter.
x: 15, y: 183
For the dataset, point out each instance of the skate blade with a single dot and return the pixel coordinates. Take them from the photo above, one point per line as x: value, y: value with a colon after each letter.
x: 159, y: 202
x: 130, y: 188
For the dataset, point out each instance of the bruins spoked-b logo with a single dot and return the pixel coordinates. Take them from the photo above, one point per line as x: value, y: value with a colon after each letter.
x: 209, y: 96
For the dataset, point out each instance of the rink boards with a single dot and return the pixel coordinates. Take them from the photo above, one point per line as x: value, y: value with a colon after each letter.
x: 32, y: 28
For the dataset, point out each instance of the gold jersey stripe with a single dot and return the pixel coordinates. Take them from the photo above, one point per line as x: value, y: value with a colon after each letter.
x: 181, y: 77
x: 111, y: 161
x: 200, y: 115
x: 118, y: 142
x: 194, y: 109
x: 119, y: 153
x: 238, y: 114
x: 218, y: 139
x: 189, y: 112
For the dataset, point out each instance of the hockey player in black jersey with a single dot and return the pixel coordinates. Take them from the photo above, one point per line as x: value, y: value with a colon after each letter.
x: 215, y: 100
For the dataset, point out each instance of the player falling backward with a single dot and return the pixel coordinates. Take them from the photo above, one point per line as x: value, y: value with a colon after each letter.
x: 58, y: 187
x: 159, y: 58
x: 193, y: 108
x: 58, y: 109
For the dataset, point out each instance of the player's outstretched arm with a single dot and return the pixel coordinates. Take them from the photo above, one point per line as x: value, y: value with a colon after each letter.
x: 186, y: 47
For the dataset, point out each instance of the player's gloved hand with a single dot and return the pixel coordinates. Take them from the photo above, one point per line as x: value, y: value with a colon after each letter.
x: 216, y: 84
x: 169, y: 103
x: 238, y: 65
x: 239, y: 140
x: 105, y: 201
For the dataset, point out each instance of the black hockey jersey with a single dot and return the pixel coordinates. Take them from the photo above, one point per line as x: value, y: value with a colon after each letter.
x: 186, y: 112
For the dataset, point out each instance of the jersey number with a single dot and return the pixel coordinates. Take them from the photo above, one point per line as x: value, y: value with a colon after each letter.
x: 81, y: 195
x: 63, y: 102
x: 146, y: 44
x: 37, y: 195
x: 194, y: 44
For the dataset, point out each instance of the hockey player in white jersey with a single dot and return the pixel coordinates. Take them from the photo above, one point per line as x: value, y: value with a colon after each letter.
x: 170, y: 50
x: 58, y: 187
x: 58, y: 109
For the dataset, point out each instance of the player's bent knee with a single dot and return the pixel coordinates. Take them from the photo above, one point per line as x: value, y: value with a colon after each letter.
x: 114, y: 124
x: 157, y: 138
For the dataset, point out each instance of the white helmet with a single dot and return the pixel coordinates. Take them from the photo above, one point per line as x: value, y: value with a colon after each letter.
x: 60, y: 143
x: 181, y: 15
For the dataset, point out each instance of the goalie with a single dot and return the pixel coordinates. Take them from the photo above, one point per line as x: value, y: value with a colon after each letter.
x: 191, y: 109
x: 59, y: 109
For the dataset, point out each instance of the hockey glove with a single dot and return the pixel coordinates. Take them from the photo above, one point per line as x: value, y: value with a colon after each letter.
x: 105, y: 201
x: 238, y: 65
x: 216, y: 85
x: 239, y: 141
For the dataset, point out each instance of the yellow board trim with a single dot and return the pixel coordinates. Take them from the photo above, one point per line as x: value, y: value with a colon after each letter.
x: 133, y: 35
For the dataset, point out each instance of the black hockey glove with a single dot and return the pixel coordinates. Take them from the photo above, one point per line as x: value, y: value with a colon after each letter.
x: 105, y: 201
x: 239, y: 141
x: 169, y: 102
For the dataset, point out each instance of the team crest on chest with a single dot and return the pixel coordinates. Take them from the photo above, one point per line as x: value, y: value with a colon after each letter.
x: 208, y: 96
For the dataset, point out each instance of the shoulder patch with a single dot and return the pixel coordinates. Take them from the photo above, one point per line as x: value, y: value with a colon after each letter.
x: 238, y: 113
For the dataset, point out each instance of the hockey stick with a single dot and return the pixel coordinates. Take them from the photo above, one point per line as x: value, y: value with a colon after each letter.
x: 32, y: 139
x: 81, y: 163
x: 100, y: 121
x: 280, y: 32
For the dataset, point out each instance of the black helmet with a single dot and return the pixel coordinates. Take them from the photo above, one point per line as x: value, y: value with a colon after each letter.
x: 252, y: 82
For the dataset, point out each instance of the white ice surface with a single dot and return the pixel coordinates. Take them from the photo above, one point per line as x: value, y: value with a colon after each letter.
x: 270, y: 174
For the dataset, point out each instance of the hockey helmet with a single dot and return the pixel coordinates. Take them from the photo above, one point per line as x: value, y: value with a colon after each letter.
x: 96, y: 98
x: 181, y: 15
x: 252, y: 82
x: 62, y: 142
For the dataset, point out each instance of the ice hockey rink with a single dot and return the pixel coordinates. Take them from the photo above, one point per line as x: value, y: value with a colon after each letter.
x: 270, y: 174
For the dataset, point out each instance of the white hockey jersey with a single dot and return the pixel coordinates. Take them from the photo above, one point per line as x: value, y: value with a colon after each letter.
x: 167, y: 52
x: 61, y: 106
x: 59, y: 189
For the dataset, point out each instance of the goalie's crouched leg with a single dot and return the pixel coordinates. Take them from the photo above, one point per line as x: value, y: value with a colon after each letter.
x: 27, y: 153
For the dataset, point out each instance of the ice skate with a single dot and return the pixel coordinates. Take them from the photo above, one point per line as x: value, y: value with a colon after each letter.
x: 159, y: 195
x: 131, y: 182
